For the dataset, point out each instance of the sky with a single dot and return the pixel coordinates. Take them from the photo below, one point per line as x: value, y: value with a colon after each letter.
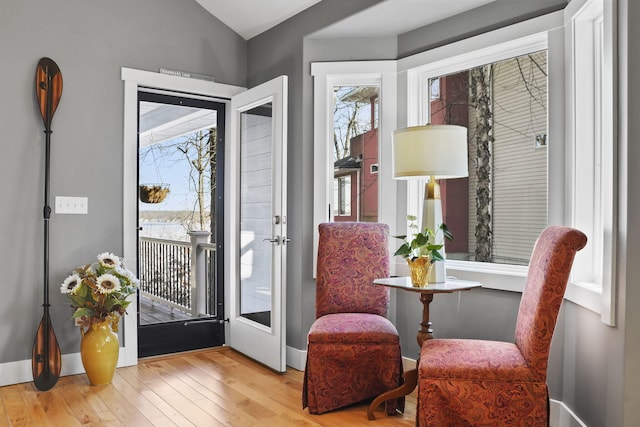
x: 162, y: 165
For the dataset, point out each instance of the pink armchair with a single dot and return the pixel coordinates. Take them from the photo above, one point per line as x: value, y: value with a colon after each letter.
x: 488, y: 383
x: 353, y: 350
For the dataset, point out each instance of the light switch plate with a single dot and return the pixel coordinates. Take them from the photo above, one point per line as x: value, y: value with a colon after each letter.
x: 72, y: 205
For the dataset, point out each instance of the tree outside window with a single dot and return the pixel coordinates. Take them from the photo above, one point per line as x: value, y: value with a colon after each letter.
x: 497, y: 212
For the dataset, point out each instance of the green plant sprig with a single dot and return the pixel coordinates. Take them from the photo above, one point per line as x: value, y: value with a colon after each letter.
x: 420, y: 245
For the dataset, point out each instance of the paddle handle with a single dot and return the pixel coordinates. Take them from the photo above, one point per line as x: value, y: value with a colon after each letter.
x: 46, y: 357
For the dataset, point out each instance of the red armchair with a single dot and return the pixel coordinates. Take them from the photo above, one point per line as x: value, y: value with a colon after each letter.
x: 353, y: 351
x: 488, y: 383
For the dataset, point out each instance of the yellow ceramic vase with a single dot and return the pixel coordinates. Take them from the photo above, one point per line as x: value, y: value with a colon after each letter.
x: 420, y: 269
x: 99, y: 350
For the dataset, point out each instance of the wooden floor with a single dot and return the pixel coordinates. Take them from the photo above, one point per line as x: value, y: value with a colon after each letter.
x: 215, y: 387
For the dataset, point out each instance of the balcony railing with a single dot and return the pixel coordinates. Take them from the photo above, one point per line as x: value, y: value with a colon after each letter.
x: 179, y: 274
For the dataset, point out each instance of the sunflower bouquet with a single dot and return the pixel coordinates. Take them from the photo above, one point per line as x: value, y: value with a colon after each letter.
x: 98, y: 292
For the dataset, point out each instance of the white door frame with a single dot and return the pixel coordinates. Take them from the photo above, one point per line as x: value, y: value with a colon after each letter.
x: 133, y: 80
x: 266, y: 344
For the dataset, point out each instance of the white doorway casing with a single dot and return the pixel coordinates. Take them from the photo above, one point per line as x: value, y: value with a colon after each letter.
x: 133, y: 80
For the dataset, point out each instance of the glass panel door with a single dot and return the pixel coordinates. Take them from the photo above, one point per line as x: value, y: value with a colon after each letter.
x: 257, y: 223
x: 179, y: 174
x: 256, y: 240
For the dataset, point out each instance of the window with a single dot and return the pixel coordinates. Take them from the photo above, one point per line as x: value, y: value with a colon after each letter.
x: 518, y: 64
x: 339, y: 87
x: 503, y: 104
x: 493, y: 237
x: 552, y: 152
x: 576, y: 140
x: 355, y: 143
x: 592, y: 139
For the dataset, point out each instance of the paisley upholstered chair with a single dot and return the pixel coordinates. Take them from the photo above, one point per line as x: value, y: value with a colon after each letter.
x: 489, y: 383
x: 353, y: 350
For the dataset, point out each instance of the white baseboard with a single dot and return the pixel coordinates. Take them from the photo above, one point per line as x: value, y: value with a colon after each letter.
x: 21, y: 372
x: 562, y: 416
x: 408, y: 364
x: 296, y: 358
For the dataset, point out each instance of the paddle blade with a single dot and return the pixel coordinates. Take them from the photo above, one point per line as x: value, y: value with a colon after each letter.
x: 48, y: 89
x: 46, y: 361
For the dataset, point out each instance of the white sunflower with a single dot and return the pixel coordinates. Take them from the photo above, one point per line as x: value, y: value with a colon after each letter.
x: 71, y: 284
x: 108, y: 283
x: 133, y: 280
x: 109, y: 260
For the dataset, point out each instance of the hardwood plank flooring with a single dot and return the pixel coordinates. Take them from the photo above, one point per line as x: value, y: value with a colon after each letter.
x: 213, y: 387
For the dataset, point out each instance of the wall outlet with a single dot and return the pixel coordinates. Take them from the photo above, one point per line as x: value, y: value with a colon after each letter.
x: 72, y: 205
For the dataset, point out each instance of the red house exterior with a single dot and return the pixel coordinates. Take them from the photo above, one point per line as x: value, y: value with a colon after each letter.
x: 362, y: 168
x: 449, y: 108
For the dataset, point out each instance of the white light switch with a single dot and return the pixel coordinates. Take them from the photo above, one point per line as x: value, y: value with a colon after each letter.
x: 72, y: 205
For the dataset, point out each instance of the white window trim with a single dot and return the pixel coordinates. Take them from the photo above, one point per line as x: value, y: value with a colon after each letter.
x: 591, y: 100
x: 551, y: 32
x: 546, y: 32
x: 326, y: 75
x: 508, y: 42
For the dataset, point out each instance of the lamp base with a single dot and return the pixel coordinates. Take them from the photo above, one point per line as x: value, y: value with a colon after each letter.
x: 432, y: 219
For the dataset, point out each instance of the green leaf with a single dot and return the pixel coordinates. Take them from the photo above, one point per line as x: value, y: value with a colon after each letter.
x: 445, y: 231
x: 436, y: 256
x: 403, y: 250
x: 76, y: 300
x: 83, y: 291
x: 83, y: 311
x: 420, y: 240
x: 110, y: 303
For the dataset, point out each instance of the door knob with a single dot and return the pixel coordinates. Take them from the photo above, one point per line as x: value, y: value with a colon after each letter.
x: 275, y: 240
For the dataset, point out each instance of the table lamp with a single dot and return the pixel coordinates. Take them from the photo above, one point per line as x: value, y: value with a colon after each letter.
x: 433, y: 152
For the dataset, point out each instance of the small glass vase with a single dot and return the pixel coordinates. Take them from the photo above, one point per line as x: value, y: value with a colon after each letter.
x: 420, y: 269
x: 99, y: 350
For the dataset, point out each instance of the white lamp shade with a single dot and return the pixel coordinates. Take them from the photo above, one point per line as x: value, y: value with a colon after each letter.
x: 430, y: 150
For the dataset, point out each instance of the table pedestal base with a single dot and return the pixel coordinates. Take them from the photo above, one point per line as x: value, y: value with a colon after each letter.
x: 424, y: 333
x: 409, y: 384
x: 410, y: 377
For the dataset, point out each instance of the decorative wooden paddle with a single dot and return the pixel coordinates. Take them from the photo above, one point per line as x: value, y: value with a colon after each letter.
x: 46, y: 359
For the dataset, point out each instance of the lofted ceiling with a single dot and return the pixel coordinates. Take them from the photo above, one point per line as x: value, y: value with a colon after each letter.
x: 252, y: 17
x: 249, y: 18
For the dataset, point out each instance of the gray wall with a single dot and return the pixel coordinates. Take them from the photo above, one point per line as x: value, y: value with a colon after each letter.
x: 277, y: 52
x: 90, y: 41
x: 484, y: 18
x: 592, y: 366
